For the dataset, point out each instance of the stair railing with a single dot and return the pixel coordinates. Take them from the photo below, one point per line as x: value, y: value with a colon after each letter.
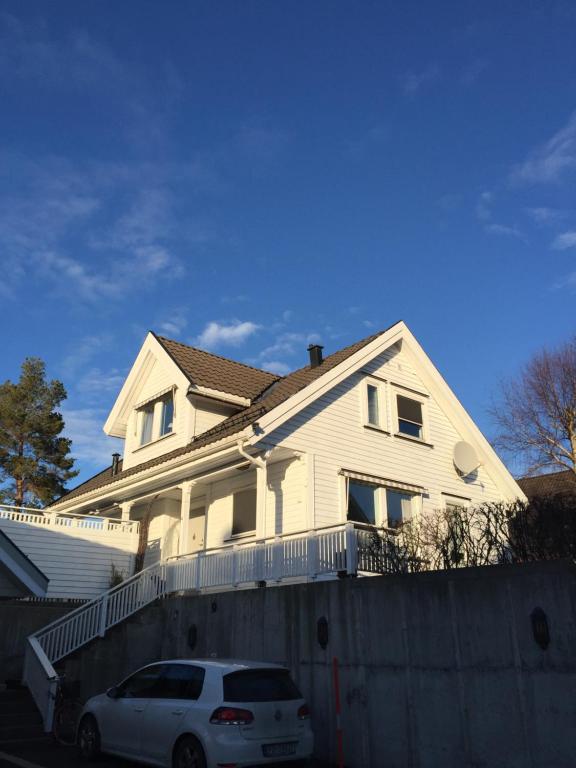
x: 307, y: 554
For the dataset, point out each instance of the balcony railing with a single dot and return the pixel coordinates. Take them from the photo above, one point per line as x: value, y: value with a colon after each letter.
x: 63, y: 520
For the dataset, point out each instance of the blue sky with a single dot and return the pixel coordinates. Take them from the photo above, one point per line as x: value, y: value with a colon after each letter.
x: 253, y: 176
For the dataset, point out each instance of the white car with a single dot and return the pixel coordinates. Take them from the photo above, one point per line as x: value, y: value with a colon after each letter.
x: 200, y: 714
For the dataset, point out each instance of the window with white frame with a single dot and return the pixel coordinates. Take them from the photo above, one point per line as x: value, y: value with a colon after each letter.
x: 378, y: 505
x: 410, y: 414
x: 156, y: 418
x: 375, y: 404
x: 244, y: 512
x: 452, y: 503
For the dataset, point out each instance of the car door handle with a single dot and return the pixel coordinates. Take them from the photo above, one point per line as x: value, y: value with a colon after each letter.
x: 177, y: 712
x: 138, y: 709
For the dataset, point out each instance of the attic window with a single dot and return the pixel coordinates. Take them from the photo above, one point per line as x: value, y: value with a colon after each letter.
x: 410, y: 420
x: 156, y: 418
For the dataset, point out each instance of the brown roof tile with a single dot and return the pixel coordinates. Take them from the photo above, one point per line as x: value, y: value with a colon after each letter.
x: 273, y: 396
x: 205, y: 369
x: 551, y: 484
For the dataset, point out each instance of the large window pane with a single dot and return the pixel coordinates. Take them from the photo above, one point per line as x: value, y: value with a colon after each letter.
x: 255, y: 685
x: 147, y: 417
x: 244, y: 512
x: 142, y: 684
x: 373, y: 412
x: 362, y: 503
x: 167, y: 415
x: 181, y: 681
x: 409, y: 416
x: 398, y: 507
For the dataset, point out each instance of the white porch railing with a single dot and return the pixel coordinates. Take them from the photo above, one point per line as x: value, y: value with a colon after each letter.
x: 59, y: 520
x: 308, y: 555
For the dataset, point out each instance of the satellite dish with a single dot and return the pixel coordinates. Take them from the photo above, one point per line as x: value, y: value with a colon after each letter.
x: 465, y: 458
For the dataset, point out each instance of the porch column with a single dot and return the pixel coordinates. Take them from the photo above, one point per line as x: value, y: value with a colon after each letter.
x: 186, y: 489
x: 261, y: 488
x: 125, y: 508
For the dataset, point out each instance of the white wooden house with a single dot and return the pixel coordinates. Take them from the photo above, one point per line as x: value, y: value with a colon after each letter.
x: 233, y: 477
x: 220, y: 455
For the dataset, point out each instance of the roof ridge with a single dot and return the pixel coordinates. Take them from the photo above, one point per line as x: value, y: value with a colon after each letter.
x: 219, y: 357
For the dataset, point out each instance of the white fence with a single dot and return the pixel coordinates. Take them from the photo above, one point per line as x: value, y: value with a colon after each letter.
x: 292, y: 557
x: 65, y: 520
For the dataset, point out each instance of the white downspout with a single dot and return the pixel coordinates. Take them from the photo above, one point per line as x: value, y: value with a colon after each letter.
x: 261, y: 484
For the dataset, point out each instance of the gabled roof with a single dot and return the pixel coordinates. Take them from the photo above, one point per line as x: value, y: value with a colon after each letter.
x: 551, y: 484
x: 21, y: 569
x: 277, y: 391
x: 204, y: 369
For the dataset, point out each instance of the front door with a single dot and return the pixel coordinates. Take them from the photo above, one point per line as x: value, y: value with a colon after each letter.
x: 196, y: 527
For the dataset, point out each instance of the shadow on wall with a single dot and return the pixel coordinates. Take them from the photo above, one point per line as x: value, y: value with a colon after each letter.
x: 437, y: 669
x: 78, y: 563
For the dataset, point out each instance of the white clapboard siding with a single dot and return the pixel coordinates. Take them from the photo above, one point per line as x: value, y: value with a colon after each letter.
x: 77, y: 561
x: 164, y: 374
x: 220, y: 506
x: 286, y: 497
x: 332, y: 428
x: 207, y: 415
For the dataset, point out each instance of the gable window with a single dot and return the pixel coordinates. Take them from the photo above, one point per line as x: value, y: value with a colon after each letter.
x: 156, y: 418
x: 374, y: 406
x: 146, y: 423
x: 167, y: 414
x: 244, y: 512
x: 410, y: 418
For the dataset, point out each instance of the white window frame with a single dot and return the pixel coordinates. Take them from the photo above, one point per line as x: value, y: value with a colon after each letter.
x: 244, y: 534
x: 410, y: 394
x: 157, y: 403
x: 381, y: 392
x: 454, y: 501
x: 381, y: 501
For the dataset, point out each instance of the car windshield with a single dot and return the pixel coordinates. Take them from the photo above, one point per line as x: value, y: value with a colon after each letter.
x: 260, y: 685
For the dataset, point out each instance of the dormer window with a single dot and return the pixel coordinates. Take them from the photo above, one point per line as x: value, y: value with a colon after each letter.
x: 156, y: 418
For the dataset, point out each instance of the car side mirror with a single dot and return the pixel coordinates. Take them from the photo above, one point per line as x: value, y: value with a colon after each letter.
x: 114, y: 692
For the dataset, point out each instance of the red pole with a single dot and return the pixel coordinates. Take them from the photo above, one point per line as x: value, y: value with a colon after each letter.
x: 339, y: 743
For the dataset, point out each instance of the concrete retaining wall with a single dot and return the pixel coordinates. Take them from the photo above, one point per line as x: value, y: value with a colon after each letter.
x: 18, y: 619
x: 437, y: 670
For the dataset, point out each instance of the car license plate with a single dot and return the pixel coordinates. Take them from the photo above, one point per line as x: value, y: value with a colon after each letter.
x: 279, y: 750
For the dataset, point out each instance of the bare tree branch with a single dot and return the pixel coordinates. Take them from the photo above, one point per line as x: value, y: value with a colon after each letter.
x: 537, y: 412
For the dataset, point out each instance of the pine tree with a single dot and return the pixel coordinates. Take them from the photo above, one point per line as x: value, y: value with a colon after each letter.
x: 34, y: 459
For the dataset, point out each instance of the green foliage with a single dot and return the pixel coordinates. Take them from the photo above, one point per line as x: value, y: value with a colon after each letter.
x: 34, y: 458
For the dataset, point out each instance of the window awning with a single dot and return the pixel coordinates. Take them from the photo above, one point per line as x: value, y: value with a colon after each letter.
x: 155, y: 396
x: 386, y: 482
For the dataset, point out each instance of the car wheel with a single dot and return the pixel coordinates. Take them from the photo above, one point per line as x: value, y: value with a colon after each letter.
x: 189, y: 754
x: 89, y: 738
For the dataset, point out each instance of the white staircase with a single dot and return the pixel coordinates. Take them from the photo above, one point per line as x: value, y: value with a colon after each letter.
x: 284, y: 559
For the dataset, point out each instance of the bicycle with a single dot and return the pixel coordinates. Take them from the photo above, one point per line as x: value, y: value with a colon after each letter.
x: 67, y: 709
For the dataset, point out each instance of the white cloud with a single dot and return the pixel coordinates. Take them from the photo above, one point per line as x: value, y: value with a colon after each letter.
x: 89, y: 443
x: 98, y: 382
x: 564, y: 241
x: 175, y: 323
x: 543, y: 215
x: 551, y: 161
x: 413, y: 82
x: 217, y: 334
x: 501, y: 229
x: 287, y: 344
x: 483, y: 206
x: 84, y: 351
x: 276, y: 366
